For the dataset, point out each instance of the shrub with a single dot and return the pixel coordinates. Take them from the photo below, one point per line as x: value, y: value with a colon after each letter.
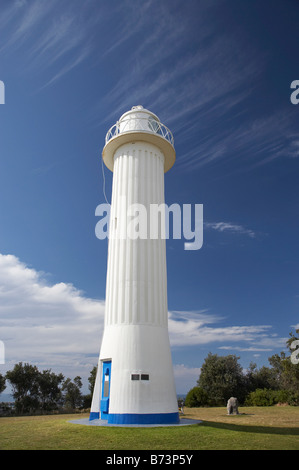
x: 281, y: 396
x: 268, y: 397
x: 260, y: 397
x: 197, y: 396
x: 294, y: 399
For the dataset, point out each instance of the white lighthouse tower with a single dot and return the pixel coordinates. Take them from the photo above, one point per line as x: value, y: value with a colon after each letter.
x: 134, y: 382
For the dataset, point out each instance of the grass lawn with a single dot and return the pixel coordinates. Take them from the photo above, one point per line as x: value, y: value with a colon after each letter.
x: 256, y: 428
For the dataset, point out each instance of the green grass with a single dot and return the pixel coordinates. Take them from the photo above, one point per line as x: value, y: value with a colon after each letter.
x: 256, y: 428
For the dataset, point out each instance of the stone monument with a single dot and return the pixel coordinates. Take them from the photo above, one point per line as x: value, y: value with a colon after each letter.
x: 232, y: 406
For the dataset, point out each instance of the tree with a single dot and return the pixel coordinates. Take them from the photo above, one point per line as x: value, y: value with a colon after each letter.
x: 92, y: 379
x: 33, y: 390
x: 2, y: 383
x: 72, y: 396
x: 264, y: 377
x: 50, y: 395
x: 286, y: 372
x: 86, y: 399
x: 25, y: 386
x: 222, y: 377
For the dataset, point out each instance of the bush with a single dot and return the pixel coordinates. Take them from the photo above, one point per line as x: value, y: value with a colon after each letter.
x: 260, y: 397
x: 286, y: 396
x: 294, y: 399
x: 281, y: 396
x: 268, y: 397
x: 197, y: 396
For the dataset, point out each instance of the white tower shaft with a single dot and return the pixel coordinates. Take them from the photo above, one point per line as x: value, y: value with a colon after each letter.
x: 135, y: 362
x: 136, y: 275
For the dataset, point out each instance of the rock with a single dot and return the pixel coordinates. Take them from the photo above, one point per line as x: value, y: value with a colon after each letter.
x: 232, y: 406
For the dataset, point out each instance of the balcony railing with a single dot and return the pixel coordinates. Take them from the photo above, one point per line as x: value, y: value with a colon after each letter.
x: 140, y: 124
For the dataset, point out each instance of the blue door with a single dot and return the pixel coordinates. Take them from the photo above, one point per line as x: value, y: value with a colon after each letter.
x: 106, y: 379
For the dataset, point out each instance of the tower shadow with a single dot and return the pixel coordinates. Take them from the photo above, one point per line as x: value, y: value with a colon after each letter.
x: 284, y: 431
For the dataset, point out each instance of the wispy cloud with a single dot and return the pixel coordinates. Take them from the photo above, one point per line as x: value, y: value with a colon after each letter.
x: 20, y: 18
x: 248, y: 142
x: 194, y: 328
x: 52, y: 37
x: 203, y: 85
x: 200, y: 84
x: 178, y: 73
x: 71, y: 64
x: 251, y: 348
x: 229, y: 227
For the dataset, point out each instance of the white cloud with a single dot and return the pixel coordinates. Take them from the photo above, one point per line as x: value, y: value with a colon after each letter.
x: 53, y: 326
x: 185, y: 377
x: 23, y: 18
x: 64, y: 35
x: 238, y: 348
x: 230, y: 227
x: 192, y: 328
x: 177, y: 74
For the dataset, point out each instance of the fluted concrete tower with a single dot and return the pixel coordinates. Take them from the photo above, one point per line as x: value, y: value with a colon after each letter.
x: 135, y: 383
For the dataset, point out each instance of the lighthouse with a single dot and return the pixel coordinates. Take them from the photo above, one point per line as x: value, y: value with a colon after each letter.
x: 134, y: 382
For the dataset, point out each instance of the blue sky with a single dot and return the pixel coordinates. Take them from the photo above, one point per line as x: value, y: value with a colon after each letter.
x: 218, y: 74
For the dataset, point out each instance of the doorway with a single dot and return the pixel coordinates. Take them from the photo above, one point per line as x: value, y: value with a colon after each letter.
x: 106, y: 380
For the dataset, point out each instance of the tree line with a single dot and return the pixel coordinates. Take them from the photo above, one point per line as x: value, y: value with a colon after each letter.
x: 222, y: 377
x: 36, y: 391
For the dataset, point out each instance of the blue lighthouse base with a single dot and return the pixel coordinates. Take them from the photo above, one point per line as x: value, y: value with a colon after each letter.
x: 131, y: 418
x: 154, y: 418
x: 93, y: 415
